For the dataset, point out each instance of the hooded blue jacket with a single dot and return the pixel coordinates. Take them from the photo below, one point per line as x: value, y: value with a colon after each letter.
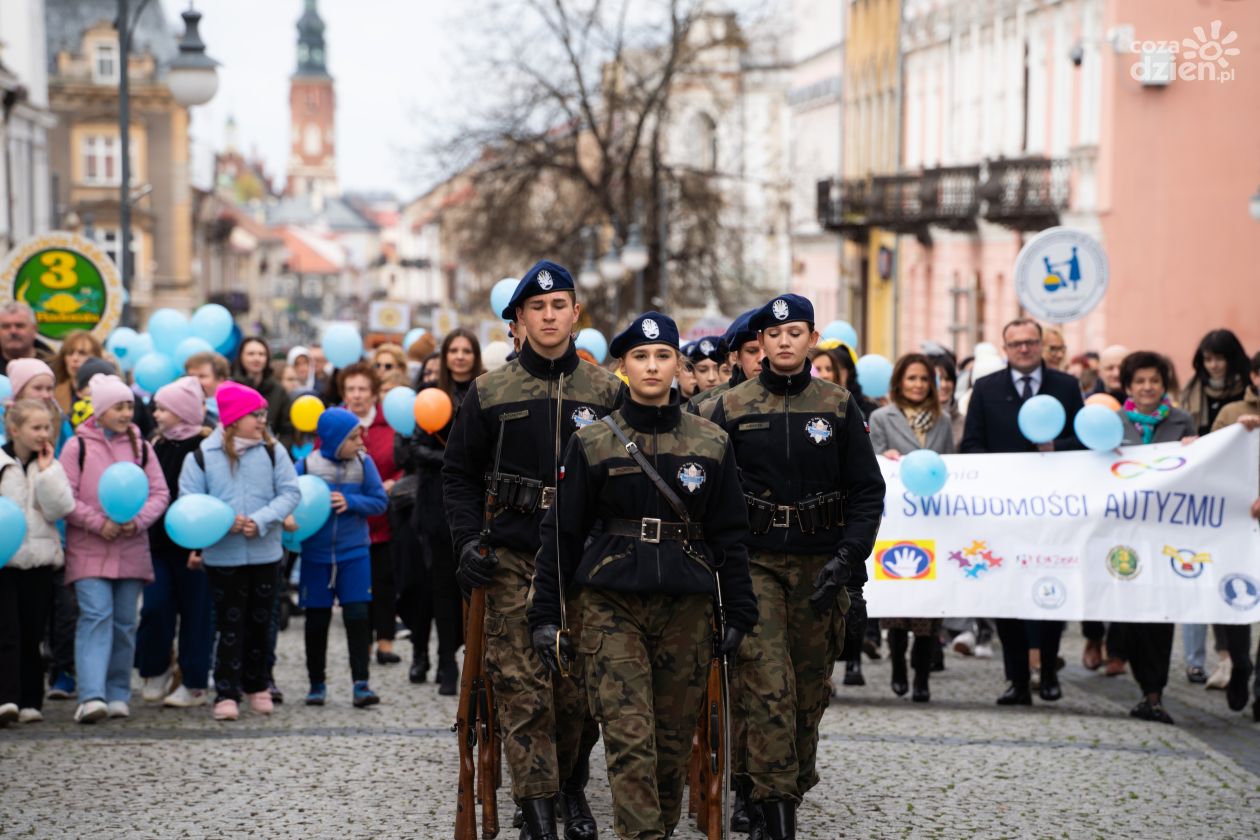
x: 345, y: 536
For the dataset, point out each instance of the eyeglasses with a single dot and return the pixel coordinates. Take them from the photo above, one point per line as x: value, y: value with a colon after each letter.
x: 260, y: 414
x: 385, y: 365
x: 1027, y: 344
x: 1056, y: 348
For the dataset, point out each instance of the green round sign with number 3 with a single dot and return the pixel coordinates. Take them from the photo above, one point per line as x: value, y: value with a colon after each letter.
x: 68, y: 283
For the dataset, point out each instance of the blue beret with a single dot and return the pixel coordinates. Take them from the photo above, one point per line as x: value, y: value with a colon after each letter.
x: 542, y: 278
x: 784, y: 309
x: 739, y: 333
x: 648, y: 328
x: 710, y: 347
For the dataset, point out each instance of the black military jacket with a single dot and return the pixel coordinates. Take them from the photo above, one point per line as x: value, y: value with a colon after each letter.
x: 523, y: 392
x: 796, y: 437
x: 602, y: 482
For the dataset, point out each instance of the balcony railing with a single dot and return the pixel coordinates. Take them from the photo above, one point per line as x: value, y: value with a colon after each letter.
x: 1025, y: 193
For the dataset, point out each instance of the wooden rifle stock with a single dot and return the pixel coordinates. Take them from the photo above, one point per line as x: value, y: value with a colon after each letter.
x: 466, y: 721
x: 708, y: 755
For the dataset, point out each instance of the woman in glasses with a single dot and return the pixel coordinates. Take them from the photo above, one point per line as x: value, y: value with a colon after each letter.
x: 389, y: 358
x: 252, y: 368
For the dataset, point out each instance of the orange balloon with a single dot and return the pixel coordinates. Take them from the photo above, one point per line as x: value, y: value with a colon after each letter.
x: 1105, y: 400
x: 433, y: 409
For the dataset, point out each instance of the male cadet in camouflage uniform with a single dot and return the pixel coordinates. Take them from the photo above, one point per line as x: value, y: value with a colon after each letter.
x: 815, y: 496
x: 519, y: 401
x: 646, y: 578
x: 744, y: 352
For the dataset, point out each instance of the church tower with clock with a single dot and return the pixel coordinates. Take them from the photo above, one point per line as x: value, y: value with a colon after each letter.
x: 312, y: 167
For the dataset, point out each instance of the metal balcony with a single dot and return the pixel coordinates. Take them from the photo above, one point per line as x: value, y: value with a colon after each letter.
x: 1025, y: 193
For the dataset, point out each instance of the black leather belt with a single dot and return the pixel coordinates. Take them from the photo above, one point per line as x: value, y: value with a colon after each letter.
x: 817, y: 513
x: 652, y: 530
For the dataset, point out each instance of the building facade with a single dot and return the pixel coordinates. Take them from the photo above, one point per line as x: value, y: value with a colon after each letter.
x: 25, y: 121
x: 312, y: 109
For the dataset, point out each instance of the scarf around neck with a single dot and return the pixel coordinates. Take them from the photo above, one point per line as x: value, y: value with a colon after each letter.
x: 1146, y: 423
x: 920, y: 420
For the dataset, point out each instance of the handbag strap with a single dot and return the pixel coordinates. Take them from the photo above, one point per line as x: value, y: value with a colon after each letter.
x: 631, y: 447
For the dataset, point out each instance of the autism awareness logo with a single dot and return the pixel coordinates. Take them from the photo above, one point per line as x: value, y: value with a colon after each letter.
x: 1132, y: 469
x: 976, y: 559
x: 905, y: 560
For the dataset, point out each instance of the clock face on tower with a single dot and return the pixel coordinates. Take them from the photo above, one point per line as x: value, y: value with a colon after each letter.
x: 312, y: 142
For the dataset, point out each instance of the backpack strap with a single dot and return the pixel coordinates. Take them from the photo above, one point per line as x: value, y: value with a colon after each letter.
x: 200, y: 456
x: 144, y: 453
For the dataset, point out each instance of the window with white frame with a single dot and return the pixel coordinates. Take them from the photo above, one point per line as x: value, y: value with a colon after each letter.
x: 105, y: 63
x: 108, y: 239
x: 100, y: 159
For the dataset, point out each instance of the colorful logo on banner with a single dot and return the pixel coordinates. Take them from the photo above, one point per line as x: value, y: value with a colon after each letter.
x: 69, y: 283
x: 976, y: 560
x: 1242, y: 592
x: 905, y: 560
x: 1132, y: 469
x: 1049, y: 593
x: 1185, y: 562
x: 1123, y: 563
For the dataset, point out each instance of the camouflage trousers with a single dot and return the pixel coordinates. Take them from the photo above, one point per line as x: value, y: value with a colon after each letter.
x: 782, y: 678
x: 645, y: 658
x: 528, y: 701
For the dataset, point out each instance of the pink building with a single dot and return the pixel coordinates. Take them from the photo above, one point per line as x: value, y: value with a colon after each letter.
x: 1136, y: 121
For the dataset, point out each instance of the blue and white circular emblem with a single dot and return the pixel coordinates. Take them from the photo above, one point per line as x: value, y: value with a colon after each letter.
x: 819, y: 430
x: 780, y: 309
x: 544, y: 280
x: 583, y: 415
x: 691, y: 477
x: 706, y: 347
x: 650, y: 328
x: 1241, y: 592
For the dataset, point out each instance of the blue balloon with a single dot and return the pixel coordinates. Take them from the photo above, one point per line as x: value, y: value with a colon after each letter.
x: 400, y: 410
x: 501, y: 295
x: 343, y: 346
x: 142, y: 347
x: 122, y: 343
x: 6, y: 387
x: 1098, y: 427
x: 874, y: 374
x: 213, y: 323
x: 168, y: 328
x: 843, y: 332
x: 12, y: 529
x: 290, y: 542
x: 592, y: 341
x: 123, y: 489
x: 155, y: 370
x: 198, y: 520
x: 1042, y: 418
x: 191, y: 346
x: 413, y: 335
x: 923, y: 472
x: 313, y: 508
x: 227, y: 347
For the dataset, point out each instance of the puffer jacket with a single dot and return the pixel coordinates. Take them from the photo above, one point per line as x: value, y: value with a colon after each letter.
x: 46, y: 498
x: 378, y: 440
x: 264, y: 491
x: 88, y: 554
x: 345, y: 536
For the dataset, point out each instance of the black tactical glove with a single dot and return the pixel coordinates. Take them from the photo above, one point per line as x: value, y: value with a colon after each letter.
x: 544, y: 641
x: 855, y: 618
x: 731, y: 641
x: 830, y: 580
x: 474, y: 570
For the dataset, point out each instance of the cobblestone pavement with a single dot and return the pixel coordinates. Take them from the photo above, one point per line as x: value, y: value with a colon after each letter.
x: 958, y: 767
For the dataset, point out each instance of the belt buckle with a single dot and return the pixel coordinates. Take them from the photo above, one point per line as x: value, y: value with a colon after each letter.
x: 650, y: 530
x: 548, y: 498
x: 782, y: 517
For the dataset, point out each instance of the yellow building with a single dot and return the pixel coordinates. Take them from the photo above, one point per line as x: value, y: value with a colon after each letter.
x: 872, y: 117
x: 85, y: 153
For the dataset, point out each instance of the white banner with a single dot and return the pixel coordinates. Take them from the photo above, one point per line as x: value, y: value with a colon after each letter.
x: 1154, y: 533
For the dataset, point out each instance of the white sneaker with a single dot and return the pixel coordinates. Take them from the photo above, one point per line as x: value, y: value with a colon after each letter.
x: 119, y: 709
x: 30, y: 716
x: 984, y: 651
x: 965, y: 643
x: 1220, y: 675
x: 185, y: 697
x: 8, y: 713
x: 155, y: 688
x: 91, y: 711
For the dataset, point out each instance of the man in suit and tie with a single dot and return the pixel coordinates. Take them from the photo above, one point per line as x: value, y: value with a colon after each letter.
x: 993, y: 426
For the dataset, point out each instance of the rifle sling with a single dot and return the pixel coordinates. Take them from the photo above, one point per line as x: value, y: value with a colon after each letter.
x: 632, y: 448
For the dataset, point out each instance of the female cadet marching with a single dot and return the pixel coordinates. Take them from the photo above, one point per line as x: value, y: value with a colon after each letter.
x: 647, y: 577
x: 814, y: 494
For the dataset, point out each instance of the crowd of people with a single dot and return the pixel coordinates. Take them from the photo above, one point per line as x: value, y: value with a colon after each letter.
x: 87, y: 600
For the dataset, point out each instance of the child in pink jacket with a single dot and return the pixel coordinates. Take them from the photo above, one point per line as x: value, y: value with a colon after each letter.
x: 107, y: 563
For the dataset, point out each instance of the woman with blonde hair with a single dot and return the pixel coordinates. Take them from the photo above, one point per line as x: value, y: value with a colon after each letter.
x: 76, y: 348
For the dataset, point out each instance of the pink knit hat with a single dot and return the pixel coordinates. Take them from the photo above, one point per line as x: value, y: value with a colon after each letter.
x: 22, y: 371
x: 236, y: 400
x: 107, y: 392
x: 183, y: 398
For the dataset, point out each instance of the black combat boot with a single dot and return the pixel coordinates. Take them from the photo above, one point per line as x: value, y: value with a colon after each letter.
x: 778, y: 817
x: 921, y: 662
x: 853, y: 673
x: 573, y: 808
x: 540, y: 819
x: 739, y: 808
x: 897, y: 641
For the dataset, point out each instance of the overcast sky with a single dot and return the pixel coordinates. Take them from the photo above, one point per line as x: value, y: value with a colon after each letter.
x: 390, y: 60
